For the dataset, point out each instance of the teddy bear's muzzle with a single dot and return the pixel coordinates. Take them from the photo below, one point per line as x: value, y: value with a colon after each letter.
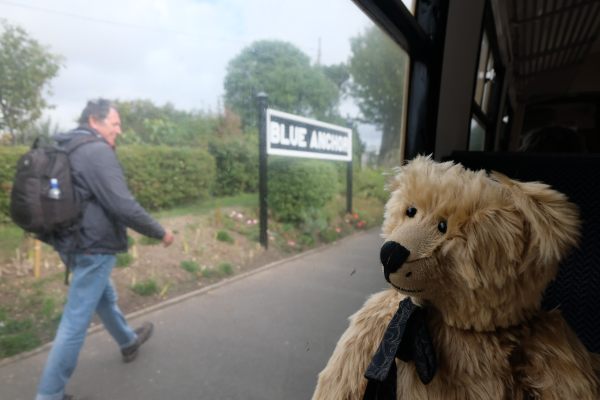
x: 393, y: 255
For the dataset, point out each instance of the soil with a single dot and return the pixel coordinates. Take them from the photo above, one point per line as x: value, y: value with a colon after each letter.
x: 207, y: 248
x: 195, y: 242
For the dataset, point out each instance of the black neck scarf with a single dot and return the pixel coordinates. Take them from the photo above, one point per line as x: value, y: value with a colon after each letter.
x: 407, y: 338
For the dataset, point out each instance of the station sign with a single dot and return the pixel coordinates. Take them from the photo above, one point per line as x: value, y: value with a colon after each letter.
x: 295, y: 136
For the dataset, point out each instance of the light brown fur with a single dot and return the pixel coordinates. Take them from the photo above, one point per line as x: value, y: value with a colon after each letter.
x: 482, y: 282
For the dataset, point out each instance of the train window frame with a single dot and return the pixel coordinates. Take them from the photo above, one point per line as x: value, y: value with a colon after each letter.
x: 488, y: 83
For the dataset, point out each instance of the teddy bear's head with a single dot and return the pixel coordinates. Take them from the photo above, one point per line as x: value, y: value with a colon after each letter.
x: 480, y: 249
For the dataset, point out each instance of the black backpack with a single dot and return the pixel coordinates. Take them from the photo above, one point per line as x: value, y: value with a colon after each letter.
x: 32, y: 206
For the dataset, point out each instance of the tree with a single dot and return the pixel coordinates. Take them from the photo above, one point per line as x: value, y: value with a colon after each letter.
x: 283, y: 72
x: 337, y: 73
x: 377, y: 66
x: 145, y: 122
x: 26, y: 68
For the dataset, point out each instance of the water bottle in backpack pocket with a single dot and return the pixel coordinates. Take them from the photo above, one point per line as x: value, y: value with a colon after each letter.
x: 54, y: 191
x: 59, y: 210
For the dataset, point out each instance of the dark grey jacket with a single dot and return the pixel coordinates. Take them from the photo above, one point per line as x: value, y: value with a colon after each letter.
x: 109, y: 206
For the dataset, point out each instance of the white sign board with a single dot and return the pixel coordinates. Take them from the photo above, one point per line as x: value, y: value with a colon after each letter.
x: 291, y: 135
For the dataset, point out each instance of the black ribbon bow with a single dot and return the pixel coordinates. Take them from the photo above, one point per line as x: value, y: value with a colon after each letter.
x: 407, y: 338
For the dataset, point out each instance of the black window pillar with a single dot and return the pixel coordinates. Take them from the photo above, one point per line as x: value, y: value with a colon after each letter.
x: 425, y: 79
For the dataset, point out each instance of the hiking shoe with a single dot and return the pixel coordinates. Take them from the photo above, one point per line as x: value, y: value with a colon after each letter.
x: 143, y: 334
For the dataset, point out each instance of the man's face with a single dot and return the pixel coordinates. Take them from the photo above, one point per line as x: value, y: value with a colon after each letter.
x: 109, y: 128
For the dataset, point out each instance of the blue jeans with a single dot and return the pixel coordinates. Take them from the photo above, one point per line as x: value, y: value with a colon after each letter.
x: 91, y: 290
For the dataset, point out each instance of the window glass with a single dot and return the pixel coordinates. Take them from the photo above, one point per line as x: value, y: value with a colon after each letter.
x: 476, y: 136
x: 379, y: 77
x: 175, y: 68
x: 184, y: 76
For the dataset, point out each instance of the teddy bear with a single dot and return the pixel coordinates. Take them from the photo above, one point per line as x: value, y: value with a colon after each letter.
x: 467, y: 256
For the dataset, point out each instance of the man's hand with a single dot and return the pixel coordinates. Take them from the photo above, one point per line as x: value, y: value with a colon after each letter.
x: 168, y: 238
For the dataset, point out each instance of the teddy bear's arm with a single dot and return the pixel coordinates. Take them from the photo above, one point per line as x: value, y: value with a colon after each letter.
x: 557, y: 365
x: 343, y: 377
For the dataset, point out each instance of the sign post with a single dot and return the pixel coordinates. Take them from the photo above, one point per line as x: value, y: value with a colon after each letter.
x: 349, y: 170
x: 290, y: 135
x: 262, y: 99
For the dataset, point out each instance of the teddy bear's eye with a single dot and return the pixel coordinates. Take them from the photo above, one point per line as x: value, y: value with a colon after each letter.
x: 443, y: 226
x: 411, y: 211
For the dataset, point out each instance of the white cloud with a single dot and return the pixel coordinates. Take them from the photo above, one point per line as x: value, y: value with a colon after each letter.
x: 171, y: 50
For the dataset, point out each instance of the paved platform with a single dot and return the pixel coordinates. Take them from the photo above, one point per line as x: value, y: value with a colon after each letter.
x: 264, y: 336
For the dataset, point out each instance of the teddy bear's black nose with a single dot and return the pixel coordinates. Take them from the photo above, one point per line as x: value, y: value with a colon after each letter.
x: 392, y: 255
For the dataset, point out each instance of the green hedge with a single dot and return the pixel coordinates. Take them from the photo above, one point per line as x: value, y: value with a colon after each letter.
x: 159, y: 177
x: 237, y: 166
x: 300, y: 188
x: 163, y: 177
x: 370, y: 183
x: 8, y: 162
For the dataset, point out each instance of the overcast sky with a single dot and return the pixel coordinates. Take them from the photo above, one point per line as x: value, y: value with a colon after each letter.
x: 172, y: 50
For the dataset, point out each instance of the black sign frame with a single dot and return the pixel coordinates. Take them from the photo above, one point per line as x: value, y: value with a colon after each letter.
x: 332, y: 137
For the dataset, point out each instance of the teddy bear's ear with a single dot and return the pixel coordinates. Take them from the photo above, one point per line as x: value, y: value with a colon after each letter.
x: 553, y: 220
x: 419, y: 167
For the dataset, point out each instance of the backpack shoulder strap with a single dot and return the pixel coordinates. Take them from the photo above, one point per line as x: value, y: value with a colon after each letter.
x: 79, y: 141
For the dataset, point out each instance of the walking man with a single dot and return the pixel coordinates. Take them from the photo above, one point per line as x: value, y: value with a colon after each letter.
x: 89, y: 249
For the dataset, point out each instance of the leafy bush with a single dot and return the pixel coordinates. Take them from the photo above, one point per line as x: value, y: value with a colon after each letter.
x: 145, y: 288
x: 299, y: 188
x: 224, y: 236
x: 190, y: 266
x: 329, y: 235
x: 225, y: 269
x: 237, y: 166
x: 158, y: 176
x: 163, y: 177
x: 370, y: 183
x: 209, y: 273
x: 8, y: 163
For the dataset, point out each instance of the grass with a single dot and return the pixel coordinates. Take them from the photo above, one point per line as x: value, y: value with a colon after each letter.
x: 11, y: 344
x: 241, y: 226
x: 208, y: 205
x: 32, y: 318
x: 11, y: 237
x: 124, y: 260
x: 145, y: 288
x: 222, y: 270
x: 148, y: 241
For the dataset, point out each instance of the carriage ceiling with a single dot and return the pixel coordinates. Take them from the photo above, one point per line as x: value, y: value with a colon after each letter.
x: 551, y: 47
